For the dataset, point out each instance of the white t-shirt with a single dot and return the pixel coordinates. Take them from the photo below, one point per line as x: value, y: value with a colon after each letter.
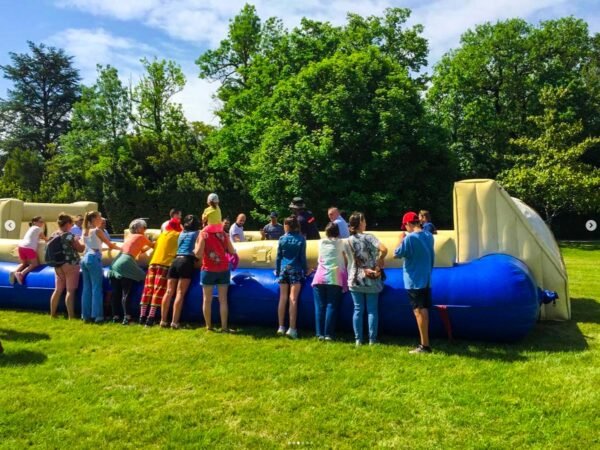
x: 32, y: 238
x: 236, y: 230
x: 164, y: 225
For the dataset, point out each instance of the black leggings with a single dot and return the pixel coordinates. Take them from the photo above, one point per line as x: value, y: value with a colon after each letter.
x: 121, y: 294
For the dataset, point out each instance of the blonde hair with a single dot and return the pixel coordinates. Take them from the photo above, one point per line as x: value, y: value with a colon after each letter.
x: 90, y: 216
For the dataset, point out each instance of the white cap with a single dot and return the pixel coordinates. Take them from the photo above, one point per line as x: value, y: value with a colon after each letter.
x: 214, y: 198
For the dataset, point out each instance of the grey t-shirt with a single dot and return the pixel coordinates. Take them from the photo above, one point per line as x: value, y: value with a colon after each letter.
x: 236, y: 230
x: 273, y: 232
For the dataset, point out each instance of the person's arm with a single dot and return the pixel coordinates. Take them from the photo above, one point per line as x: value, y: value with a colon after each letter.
x: 230, y: 248
x: 400, y: 247
x: 303, y: 261
x: 77, y: 244
x: 148, y: 244
x: 106, y: 241
x: 382, y: 254
x: 199, y: 247
x: 279, y: 258
x: 263, y: 234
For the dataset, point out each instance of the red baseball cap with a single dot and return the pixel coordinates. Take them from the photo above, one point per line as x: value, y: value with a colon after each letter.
x: 407, y: 218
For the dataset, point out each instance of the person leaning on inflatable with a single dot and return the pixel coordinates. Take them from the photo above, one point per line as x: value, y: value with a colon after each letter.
x: 306, y: 219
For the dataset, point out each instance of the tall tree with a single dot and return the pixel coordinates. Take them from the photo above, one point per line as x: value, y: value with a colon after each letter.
x: 551, y: 173
x: 155, y: 111
x: 37, y: 110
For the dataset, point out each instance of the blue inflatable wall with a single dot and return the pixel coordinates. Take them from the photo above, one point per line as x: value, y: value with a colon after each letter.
x: 492, y: 298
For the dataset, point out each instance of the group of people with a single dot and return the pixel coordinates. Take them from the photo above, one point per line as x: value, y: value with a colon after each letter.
x: 350, y: 259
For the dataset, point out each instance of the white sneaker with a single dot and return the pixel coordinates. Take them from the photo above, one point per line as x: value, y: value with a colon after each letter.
x: 292, y: 333
x: 280, y: 331
x: 358, y: 343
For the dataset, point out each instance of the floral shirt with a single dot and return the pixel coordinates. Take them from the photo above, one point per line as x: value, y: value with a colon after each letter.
x: 362, y: 250
x: 71, y: 255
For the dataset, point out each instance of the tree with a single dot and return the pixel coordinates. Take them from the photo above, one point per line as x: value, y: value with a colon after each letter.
x: 155, y: 111
x: 36, y: 112
x: 550, y: 174
x: 483, y: 92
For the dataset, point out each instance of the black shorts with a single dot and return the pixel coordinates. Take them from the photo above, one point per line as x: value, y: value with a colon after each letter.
x: 420, y: 298
x: 182, y: 267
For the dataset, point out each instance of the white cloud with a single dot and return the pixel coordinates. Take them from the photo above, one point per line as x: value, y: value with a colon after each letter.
x: 196, y: 99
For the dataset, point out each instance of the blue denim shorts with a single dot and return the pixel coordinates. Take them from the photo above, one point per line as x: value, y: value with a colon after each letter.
x: 214, y: 278
x: 290, y: 275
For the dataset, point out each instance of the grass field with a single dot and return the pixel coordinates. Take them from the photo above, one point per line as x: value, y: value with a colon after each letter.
x: 66, y: 384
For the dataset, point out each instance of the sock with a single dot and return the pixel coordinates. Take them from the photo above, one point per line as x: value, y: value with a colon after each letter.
x: 143, y: 311
x: 152, y: 312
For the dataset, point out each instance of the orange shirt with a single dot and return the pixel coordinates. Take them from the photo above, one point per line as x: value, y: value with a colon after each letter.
x: 134, y: 243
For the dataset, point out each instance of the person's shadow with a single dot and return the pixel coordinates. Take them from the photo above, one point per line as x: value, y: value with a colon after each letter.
x: 21, y: 357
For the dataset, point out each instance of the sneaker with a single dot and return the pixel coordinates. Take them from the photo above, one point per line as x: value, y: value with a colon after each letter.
x: 142, y: 320
x: 116, y: 319
x: 292, y: 333
x: 125, y: 321
x: 321, y: 338
x: 358, y: 343
x: 328, y: 339
x: 149, y: 322
x: 280, y: 331
x: 11, y: 277
x: 373, y: 342
x: 421, y: 349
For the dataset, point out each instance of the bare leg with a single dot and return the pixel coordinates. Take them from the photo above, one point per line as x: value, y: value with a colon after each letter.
x: 182, y: 287
x: 166, y: 301
x: 207, y: 292
x: 32, y: 265
x: 223, y: 306
x: 70, y: 302
x: 54, y: 302
x: 284, y: 289
x: 422, y: 316
x: 294, y: 294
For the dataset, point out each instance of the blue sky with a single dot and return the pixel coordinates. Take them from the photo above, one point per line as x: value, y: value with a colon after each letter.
x: 120, y: 32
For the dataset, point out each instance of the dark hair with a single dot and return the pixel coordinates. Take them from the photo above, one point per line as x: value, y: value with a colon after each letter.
x: 36, y: 219
x: 173, y: 212
x: 426, y: 214
x: 191, y: 223
x: 64, y: 219
x: 292, y: 222
x: 332, y: 230
x: 354, y: 222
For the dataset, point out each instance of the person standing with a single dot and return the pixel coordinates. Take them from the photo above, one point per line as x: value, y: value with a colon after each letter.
x: 306, y: 219
x: 365, y: 260
x: 174, y: 214
x: 425, y: 220
x: 417, y: 250
x: 330, y: 281
x: 335, y: 217
x: 77, y: 231
x: 67, y: 274
x: 226, y: 224
x: 273, y: 230
x: 236, y: 232
x: 290, y: 269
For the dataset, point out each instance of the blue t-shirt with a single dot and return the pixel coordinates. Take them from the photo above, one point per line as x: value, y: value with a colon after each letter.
x: 273, y: 232
x: 417, y: 251
x: 291, y: 251
x: 343, y: 227
x: 186, y: 243
x: 76, y: 231
x: 428, y: 226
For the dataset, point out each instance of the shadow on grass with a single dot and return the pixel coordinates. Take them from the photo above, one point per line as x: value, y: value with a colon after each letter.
x: 21, y: 358
x: 26, y: 336
x: 581, y: 245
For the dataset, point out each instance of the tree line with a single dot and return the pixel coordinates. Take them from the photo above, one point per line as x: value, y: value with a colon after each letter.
x: 342, y: 115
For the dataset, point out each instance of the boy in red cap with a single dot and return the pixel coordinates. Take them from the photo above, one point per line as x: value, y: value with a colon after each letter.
x: 416, y: 248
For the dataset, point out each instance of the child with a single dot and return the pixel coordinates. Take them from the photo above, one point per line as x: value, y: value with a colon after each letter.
x: 28, y: 250
x: 417, y: 250
x: 155, y: 285
x: 125, y: 270
x: 66, y: 275
x: 211, y: 217
x: 290, y: 269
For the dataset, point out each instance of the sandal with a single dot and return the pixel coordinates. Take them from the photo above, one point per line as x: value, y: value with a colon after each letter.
x: 174, y: 326
x: 229, y: 331
x: 164, y: 324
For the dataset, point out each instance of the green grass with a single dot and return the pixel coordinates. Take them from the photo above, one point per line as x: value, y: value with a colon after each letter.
x: 65, y: 384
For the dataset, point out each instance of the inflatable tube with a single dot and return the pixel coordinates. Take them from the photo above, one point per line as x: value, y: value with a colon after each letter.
x: 491, y: 298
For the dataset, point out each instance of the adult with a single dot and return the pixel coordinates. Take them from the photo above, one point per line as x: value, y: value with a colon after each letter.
x: 236, y: 232
x: 174, y: 214
x: 125, y: 272
x: 226, y: 224
x: 330, y: 281
x: 77, y: 231
x: 425, y: 220
x: 213, y: 248
x: 92, y: 308
x: 335, y: 217
x: 103, y: 226
x: 66, y: 276
x: 290, y: 268
x: 365, y: 281
x: 306, y: 219
x: 181, y: 271
x: 417, y: 250
x: 273, y: 230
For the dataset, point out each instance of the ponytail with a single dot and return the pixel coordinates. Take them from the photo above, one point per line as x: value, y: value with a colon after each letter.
x: 87, y: 220
x: 35, y: 219
x: 354, y: 222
